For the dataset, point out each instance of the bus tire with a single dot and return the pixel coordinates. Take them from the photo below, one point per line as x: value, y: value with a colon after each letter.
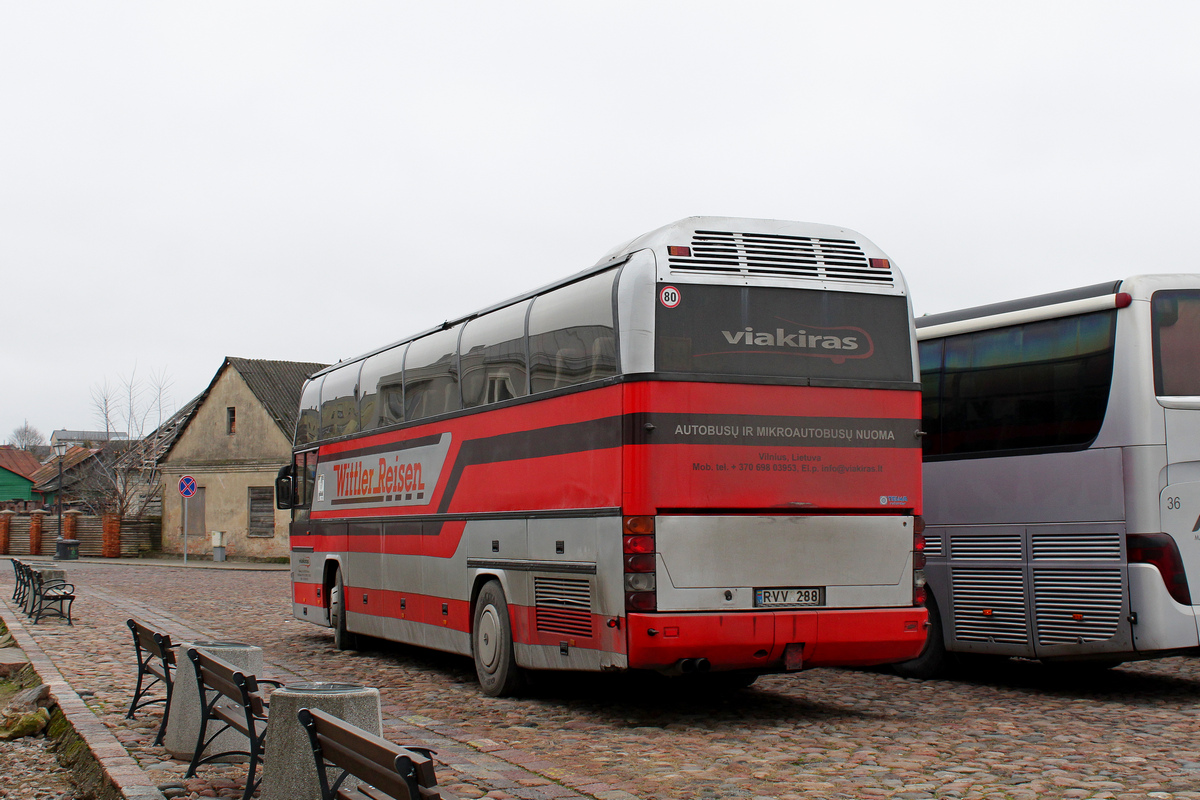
x: 492, y: 643
x: 932, y: 662
x: 342, y: 638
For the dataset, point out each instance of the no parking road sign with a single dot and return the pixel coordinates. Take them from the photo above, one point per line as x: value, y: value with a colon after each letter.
x: 187, y: 486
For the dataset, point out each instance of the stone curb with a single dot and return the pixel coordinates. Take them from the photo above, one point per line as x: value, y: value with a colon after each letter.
x: 127, y: 779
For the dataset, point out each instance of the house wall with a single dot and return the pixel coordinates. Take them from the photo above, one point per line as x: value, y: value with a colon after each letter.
x: 225, y: 466
x: 14, y: 486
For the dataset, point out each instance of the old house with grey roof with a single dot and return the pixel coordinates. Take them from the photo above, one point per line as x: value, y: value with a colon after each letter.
x: 232, y: 444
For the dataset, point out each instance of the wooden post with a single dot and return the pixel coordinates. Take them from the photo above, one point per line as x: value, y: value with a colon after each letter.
x: 36, y: 520
x: 5, y: 526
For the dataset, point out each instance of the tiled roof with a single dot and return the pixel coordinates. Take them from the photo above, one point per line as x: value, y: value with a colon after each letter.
x: 23, y: 462
x: 277, y: 384
x: 46, y: 478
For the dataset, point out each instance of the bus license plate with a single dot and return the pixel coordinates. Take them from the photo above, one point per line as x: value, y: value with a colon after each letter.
x: 800, y: 596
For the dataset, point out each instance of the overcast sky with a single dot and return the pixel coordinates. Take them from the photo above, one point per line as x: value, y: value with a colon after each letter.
x: 303, y: 181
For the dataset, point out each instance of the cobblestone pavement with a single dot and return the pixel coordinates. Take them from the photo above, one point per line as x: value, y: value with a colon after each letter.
x: 1026, y: 731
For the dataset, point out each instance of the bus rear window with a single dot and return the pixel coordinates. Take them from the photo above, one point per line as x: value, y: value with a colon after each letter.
x: 786, y: 333
x: 1175, y: 317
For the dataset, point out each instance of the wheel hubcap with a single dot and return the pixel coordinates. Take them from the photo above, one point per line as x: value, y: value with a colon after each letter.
x: 488, y: 640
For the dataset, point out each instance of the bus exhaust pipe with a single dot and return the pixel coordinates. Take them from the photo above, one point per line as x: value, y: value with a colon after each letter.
x: 687, y: 666
x: 702, y: 665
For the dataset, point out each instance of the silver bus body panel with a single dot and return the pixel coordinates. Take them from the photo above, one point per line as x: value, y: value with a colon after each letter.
x: 635, y: 312
x: 1163, y: 624
x: 860, y: 561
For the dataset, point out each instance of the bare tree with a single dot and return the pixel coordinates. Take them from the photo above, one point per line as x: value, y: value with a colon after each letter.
x: 118, y: 480
x: 26, y: 437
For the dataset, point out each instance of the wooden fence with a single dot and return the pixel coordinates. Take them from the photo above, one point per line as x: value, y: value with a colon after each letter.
x: 138, y: 536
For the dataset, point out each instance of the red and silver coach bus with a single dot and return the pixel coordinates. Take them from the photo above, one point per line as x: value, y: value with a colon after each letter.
x: 700, y: 455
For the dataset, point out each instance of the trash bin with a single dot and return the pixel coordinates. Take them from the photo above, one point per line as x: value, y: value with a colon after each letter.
x: 218, y: 545
x: 66, y: 549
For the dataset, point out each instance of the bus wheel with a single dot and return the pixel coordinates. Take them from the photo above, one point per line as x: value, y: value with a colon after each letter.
x: 342, y: 638
x: 931, y: 663
x: 492, y: 643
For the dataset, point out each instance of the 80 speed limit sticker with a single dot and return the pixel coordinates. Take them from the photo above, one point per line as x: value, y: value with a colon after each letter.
x: 669, y: 296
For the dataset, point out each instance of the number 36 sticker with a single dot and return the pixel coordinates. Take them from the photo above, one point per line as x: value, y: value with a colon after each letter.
x: 669, y: 296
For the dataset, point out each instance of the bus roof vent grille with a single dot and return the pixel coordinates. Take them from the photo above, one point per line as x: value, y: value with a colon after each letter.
x: 776, y: 255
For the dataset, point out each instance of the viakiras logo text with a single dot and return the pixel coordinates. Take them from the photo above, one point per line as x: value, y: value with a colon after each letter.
x: 837, y: 343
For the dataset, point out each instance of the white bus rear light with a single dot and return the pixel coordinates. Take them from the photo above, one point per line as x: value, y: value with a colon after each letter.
x: 676, y: 250
x: 1124, y: 299
x: 639, y: 582
x: 879, y: 263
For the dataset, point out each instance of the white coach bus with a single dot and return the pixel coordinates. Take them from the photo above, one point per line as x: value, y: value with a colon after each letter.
x: 1062, y: 475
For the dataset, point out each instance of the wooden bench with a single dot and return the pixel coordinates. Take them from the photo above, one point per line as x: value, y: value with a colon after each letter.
x: 156, y: 665
x: 52, y: 597
x: 388, y: 771
x: 23, y: 577
x: 237, y: 702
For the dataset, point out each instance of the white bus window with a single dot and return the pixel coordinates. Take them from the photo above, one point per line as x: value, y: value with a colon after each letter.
x: 571, y: 335
x: 339, y: 403
x: 1176, y: 320
x: 308, y: 424
x: 431, y: 375
x: 381, y: 389
x: 493, y: 357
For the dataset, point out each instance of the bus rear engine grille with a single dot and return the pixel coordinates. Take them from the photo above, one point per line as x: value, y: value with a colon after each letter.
x: 1076, y: 606
x: 989, y: 606
x: 563, y: 606
x: 1076, y: 547
x: 776, y: 255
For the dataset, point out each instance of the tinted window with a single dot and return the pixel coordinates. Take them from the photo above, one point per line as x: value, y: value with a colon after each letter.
x: 755, y: 331
x: 308, y: 424
x: 571, y: 335
x: 431, y: 375
x: 1175, y: 316
x: 1026, y: 387
x: 381, y: 387
x: 339, y: 404
x: 493, y: 357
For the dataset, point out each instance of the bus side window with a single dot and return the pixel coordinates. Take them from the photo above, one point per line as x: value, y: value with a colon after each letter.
x: 431, y: 375
x: 308, y: 424
x: 381, y: 389
x: 571, y: 335
x: 493, y: 357
x: 339, y: 403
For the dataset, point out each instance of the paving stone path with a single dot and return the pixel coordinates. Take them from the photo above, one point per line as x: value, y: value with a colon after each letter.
x: 1022, y: 732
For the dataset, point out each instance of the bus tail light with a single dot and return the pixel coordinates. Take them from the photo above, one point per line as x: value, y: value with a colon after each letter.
x: 1159, y: 549
x: 637, y: 545
x: 918, y: 560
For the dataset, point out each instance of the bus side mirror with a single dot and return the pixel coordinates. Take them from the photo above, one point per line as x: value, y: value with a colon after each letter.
x: 285, y: 488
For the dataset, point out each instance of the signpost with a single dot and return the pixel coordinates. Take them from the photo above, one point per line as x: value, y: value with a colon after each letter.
x: 187, y: 488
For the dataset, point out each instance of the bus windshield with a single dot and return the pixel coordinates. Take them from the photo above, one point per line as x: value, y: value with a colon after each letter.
x: 1176, y: 321
x: 770, y: 332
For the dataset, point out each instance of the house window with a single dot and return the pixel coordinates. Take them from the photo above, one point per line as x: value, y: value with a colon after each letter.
x: 262, y: 511
x: 231, y: 421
